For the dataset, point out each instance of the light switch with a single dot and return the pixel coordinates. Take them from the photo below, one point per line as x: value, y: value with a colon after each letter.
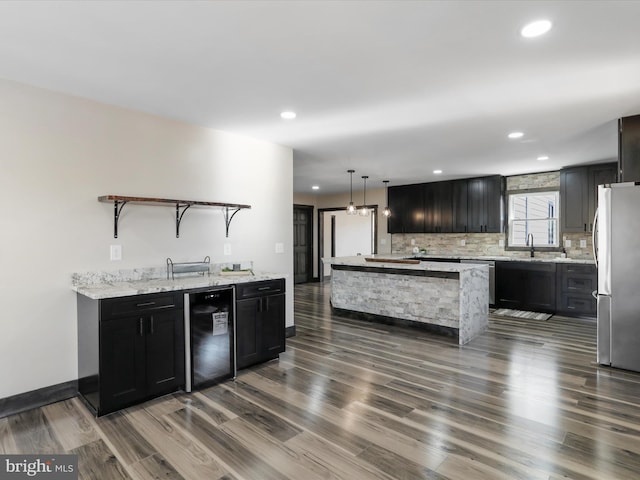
x: 413, y: 241
x: 567, y: 243
x: 279, y: 247
x: 227, y: 249
x: 501, y: 242
x: 115, y: 252
x: 583, y: 243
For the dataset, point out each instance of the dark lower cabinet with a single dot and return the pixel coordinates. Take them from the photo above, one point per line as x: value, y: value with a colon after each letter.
x: 575, y: 286
x: 260, y: 321
x: 129, y: 349
x: 526, y: 286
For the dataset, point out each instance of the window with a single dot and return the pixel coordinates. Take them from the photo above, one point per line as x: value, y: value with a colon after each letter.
x: 536, y: 214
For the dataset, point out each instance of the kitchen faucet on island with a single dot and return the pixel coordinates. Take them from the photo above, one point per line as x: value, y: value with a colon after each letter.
x: 532, y: 249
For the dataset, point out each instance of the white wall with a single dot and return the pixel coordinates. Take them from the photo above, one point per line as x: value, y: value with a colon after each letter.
x: 319, y: 201
x: 58, y: 154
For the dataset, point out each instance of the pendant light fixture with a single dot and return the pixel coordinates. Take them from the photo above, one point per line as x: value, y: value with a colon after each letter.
x: 387, y: 211
x: 364, y: 211
x: 351, y: 209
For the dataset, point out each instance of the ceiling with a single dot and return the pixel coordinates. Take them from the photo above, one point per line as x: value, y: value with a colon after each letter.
x: 391, y: 89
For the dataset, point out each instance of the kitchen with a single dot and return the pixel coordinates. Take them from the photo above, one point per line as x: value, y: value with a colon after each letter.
x: 63, y: 149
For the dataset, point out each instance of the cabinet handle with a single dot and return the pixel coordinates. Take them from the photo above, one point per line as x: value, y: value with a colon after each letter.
x: 266, y: 308
x: 141, y: 326
x: 260, y: 305
x: 145, y: 304
x: 263, y: 288
x: 585, y: 227
x: 151, y: 327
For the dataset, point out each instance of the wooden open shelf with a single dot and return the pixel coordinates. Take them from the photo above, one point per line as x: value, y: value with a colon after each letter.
x: 119, y: 201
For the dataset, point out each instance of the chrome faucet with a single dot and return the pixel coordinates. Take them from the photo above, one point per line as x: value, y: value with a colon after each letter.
x: 530, y: 244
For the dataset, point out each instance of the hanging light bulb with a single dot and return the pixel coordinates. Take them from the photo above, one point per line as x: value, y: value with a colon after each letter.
x: 364, y: 211
x: 351, y: 209
x: 387, y: 211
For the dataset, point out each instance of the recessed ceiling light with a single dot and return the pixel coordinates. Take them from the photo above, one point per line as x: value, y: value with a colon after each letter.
x: 315, y: 187
x: 542, y: 158
x: 437, y: 172
x: 516, y: 135
x: 288, y: 115
x: 535, y: 29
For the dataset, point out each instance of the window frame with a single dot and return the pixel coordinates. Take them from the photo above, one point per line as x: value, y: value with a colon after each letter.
x: 507, y: 230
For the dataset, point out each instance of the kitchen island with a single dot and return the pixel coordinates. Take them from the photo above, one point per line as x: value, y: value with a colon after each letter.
x: 451, y: 297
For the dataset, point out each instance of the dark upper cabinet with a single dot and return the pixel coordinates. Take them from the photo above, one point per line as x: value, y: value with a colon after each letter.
x: 438, y: 215
x: 579, y: 194
x: 599, y: 175
x: 473, y: 205
x: 484, y: 204
x: 407, y: 209
x: 574, y: 195
x: 629, y: 148
x: 459, y: 206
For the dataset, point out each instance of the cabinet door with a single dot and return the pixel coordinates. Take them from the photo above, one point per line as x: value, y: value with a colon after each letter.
x: 540, y: 287
x: 476, y: 205
x: 248, y: 331
x: 165, y: 351
x: 442, y: 217
x: 599, y: 175
x: 459, y: 206
x: 122, y: 362
x: 273, y: 329
x: 574, y: 197
x: 509, y: 285
x: 629, y: 148
x: 399, y: 201
x: 493, y: 221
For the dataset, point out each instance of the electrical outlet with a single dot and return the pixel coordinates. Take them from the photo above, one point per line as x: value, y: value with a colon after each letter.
x: 501, y: 242
x: 279, y: 247
x: 227, y: 249
x: 567, y: 243
x: 583, y: 243
x: 463, y: 242
x: 413, y: 241
x: 115, y: 252
x: 383, y: 241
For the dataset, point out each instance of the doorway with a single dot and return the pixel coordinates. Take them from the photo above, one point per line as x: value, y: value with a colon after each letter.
x: 342, y: 235
x: 302, y: 243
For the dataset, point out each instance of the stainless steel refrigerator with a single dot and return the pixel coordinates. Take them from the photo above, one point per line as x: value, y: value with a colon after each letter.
x: 616, y: 243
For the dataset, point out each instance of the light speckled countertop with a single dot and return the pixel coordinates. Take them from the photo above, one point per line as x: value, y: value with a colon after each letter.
x: 113, y: 289
x: 359, y: 261
x: 558, y: 259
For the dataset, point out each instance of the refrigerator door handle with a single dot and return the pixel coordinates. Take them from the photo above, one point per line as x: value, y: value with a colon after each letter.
x: 594, y: 238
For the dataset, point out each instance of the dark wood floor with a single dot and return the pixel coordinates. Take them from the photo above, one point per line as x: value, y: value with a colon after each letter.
x: 355, y: 400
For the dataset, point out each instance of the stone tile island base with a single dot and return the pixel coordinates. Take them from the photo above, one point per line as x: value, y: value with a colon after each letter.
x: 450, y: 295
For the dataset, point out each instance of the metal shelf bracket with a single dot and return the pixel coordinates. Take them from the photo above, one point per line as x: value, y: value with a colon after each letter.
x: 179, y: 215
x: 116, y: 215
x: 227, y: 219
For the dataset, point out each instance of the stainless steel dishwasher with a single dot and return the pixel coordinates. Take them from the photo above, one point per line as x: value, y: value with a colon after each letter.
x: 492, y: 277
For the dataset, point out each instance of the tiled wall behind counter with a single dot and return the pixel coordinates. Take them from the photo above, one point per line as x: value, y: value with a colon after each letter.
x: 480, y: 244
x: 487, y: 244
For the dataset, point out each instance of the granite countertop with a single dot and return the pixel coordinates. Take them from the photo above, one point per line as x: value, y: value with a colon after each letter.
x: 426, y: 257
x: 359, y: 261
x: 112, y: 289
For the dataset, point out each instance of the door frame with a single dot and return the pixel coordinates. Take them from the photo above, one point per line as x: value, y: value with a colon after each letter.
x: 309, y: 209
x: 321, y: 234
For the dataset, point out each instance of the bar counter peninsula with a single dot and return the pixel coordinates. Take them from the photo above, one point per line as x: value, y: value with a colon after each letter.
x: 451, y: 297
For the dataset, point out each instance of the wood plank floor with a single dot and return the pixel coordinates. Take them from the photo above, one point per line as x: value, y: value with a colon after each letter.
x: 356, y: 400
